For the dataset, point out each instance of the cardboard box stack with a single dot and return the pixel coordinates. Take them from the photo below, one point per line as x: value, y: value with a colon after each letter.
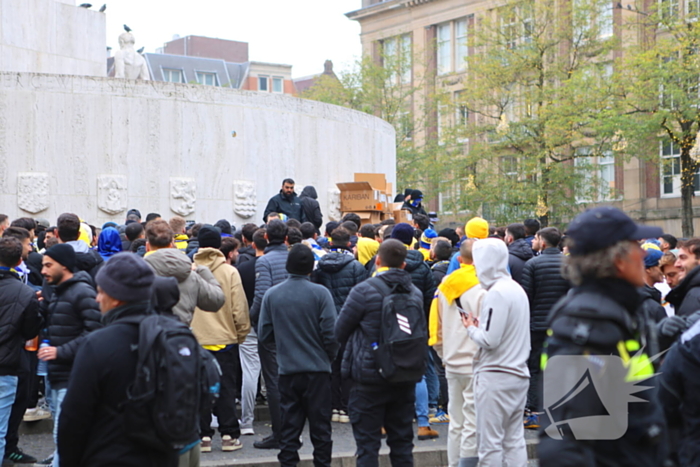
x: 370, y: 197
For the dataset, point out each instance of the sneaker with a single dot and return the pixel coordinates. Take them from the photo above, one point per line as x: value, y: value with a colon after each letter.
x: 343, y: 417
x: 206, y: 444
x: 440, y: 417
x: 47, y: 461
x: 432, y: 411
x: 230, y: 444
x: 267, y: 443
x: 247, y: 431
x: 36, y: 414
x: 532, y: 422
x: 336, y: 416
x: 425, y: 432
x: 19, y: 457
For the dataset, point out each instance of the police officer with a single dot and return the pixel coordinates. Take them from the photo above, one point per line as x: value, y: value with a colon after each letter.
x: 601, y: 322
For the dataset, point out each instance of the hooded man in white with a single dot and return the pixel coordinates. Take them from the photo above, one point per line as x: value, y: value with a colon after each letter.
x: 501, y: 374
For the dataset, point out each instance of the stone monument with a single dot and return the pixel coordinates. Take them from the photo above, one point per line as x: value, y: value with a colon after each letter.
x: 128, y: 63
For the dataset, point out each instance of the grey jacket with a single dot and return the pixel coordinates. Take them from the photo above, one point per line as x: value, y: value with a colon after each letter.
x: 270, y: 269
x: 300, y: 318
x: 198, y: 288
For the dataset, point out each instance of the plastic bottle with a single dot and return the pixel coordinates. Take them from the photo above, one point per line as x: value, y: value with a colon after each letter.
x: 43, y: 367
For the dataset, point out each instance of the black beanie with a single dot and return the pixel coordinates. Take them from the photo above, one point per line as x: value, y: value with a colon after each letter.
x: 126, y: 277
x: 209, y: 237
x: 300, y: 260
x: 224, y: 226
x: 63, y: 254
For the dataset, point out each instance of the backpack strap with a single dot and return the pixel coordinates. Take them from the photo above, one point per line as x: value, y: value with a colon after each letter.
x: 382, y: 287
x: 459, y: 303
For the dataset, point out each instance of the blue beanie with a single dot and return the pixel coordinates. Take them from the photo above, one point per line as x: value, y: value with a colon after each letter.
x: 403, y: 232
x: 652, y: 258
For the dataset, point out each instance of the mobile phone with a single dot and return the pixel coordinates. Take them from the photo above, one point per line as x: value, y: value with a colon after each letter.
x: 462, y: 312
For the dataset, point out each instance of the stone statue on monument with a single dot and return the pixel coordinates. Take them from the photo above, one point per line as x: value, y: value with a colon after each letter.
x: 128, y: 63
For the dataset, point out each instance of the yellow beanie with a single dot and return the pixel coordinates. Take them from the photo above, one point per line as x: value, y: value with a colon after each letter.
x: 477, y: 228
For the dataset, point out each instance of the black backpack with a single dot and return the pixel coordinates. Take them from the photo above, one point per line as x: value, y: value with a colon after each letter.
x: 175, y: 381
x: 403, y: 338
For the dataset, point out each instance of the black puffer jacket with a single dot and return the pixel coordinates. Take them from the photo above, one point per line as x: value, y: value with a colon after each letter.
x: 72, y: 314
x: 440, y: 270
x: 686, y: 297
x: 311, y: 208
x: 245, y: 254
x: 544, y: 286
x: 651, y: 303
x: 358, y: 325
x: 518, y: 253
x: 422, y: 277
x: 288, y: 205
x: 90, y: 262
x: 270, y: 269
x: 339, y: 272
x: 19, y: 320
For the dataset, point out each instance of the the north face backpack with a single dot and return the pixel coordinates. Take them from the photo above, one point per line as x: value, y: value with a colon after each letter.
x: 175, y: 380
x: 403, y: 337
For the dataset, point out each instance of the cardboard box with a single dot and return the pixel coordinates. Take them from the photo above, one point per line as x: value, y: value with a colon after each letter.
x: 361, y: 196
x: 401, y: 215
x: 378, y: 181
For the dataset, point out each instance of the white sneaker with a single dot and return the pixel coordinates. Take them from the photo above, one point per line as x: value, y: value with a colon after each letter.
x: 34, y: 415
x: 335, y: 417
x: 247, y: 431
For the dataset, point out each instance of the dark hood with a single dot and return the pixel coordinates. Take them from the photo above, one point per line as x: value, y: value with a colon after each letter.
x: 80, y: 276
x: 650, y: 292
x: 414, y: 258
x: 87, y: 261
x: 166, y: 294
x: 310, y: 192
x: 334, y: 261
x: 397, y: 276
x: 521, y: 249
x: 675, y: 297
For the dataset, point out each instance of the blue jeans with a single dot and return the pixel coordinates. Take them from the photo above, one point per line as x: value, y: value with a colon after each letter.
x: 8, y: 390
x: 431, y: 379
x: 422, y: 403
x: 57, y: 396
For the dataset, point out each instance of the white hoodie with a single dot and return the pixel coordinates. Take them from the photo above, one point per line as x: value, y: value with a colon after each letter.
x: 504, y: 323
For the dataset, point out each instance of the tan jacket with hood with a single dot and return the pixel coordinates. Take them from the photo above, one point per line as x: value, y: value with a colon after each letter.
x: 231, y: 324
x: 198, y: 288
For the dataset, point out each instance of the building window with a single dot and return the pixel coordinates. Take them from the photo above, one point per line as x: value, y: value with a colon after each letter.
x: 692, y: 9
x: 671, y: 170
x: 509, y: 167
x: 263, y: 84
x: 668, y: 10
x: 444, y: 48
x: 278, y: 85
x: 461, y: 46
x: 598, y: 173
x: 406, y: 58
x: 173, y: 76
x: 397, y: 55
x: 208, y: 79
x: 605, y: 20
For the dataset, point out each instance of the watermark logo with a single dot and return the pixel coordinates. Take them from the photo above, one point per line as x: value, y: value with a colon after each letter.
x: 587, y: 397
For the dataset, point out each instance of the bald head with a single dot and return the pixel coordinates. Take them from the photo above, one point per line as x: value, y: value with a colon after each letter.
x: 465, y: 251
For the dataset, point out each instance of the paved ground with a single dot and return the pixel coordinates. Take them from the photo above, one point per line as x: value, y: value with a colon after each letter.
x: 41, y: 445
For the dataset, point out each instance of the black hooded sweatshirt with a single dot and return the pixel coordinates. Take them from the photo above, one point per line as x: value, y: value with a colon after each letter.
x: 518, y: 253
x: 311, y: 208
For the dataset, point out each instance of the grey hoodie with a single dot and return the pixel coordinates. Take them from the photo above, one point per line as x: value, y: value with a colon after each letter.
x: 504, y: 322
x: 198, y: 288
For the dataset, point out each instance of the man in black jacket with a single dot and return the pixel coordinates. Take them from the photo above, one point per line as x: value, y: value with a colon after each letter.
x: 519, y: 251
x: 91, y: 431
x: 270, y: 271
x: 596, y: 330
x: 286, y: 202
x: 339, y: 272
x: 375, y: 403
x: 72, y: 313
x: 19, y: 321
x: 310, y: 206
x: 247, y: 251
x: 544, y: 286
x: 686, y: 297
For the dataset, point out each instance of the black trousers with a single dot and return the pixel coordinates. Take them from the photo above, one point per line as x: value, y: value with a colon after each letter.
x: 340, y: 386
x: 305, y: 396
x: 24, y: 383
x: 268, y: 362
x: 533, y: 393
x: 388, y: 406
x: 225, y: 405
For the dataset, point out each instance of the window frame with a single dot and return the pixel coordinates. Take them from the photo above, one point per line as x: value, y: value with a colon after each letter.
x: 169, y: 71
x: 280, y: 80
x: 204, y: 74
x: 267, y: 83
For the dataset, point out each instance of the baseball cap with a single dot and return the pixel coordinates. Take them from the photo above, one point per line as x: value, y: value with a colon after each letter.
x: 602, y: 227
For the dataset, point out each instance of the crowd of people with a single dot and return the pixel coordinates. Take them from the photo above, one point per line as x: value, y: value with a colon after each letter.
x: 373, y: 325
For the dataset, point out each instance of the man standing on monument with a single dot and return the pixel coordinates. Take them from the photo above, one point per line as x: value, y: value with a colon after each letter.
x: 286, y: 202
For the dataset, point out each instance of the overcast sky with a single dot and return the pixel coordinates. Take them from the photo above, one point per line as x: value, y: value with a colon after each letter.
x: 300, y: 33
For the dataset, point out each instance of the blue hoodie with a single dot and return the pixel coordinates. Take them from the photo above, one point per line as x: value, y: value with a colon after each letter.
x: 109, y: 243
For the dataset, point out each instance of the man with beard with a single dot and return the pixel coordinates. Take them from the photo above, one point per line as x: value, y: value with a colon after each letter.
x: 286, y: 202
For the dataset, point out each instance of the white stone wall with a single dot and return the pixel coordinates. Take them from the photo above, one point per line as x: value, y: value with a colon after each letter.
x: 99, y: 146
x: 52, y: 36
